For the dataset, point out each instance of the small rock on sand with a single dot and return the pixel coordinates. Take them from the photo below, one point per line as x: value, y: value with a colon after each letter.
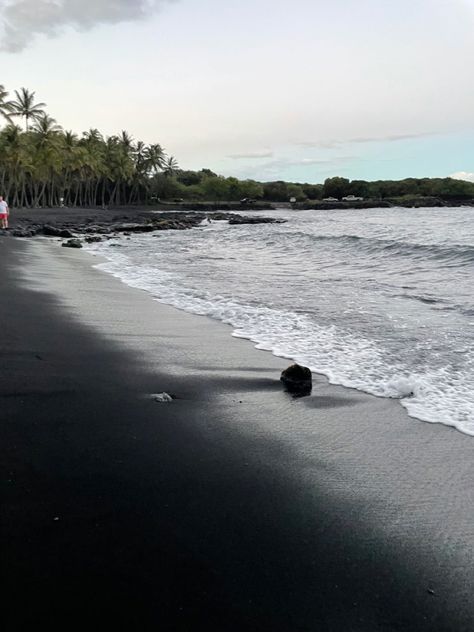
x: 297, y: 379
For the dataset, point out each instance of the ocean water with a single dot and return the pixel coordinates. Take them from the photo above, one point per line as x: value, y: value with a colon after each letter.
x: 380, y: 300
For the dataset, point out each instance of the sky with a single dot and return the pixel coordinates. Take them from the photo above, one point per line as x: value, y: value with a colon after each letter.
x: 265, y: 89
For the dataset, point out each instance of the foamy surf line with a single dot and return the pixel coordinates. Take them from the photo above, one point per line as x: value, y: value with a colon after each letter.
x: 440, y: 396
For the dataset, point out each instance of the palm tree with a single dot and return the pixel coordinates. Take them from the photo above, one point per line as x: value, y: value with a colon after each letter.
x: 14, y: 159
x: 70, y: 139
x: 93, y: 136
x: 126, y: 140
x: 140, y: 175
x: 156, y: 158
x: 46, y: 166
x: 26, y: 107
x: 120, y: 167
x: 71, y: 153
x: 6, y: 107
x: 46, y: 136
x: 170, y: 166
x: 46, y: 129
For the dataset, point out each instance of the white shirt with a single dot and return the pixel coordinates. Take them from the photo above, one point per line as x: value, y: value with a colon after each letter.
x: 3, y: 207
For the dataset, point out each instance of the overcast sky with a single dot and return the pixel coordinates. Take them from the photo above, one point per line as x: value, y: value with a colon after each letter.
x: 270, y: 89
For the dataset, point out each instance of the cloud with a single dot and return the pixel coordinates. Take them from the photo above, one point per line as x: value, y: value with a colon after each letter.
x: 279, y: 163
x: 265, y: 153
x: 321, y: 144
x: 299, y: 162
x: 463, y: 175
x: 319, y: 161
x: 389, y: 138
x: 332, y: 144
x: 23, y: 20
x: 281, y: 168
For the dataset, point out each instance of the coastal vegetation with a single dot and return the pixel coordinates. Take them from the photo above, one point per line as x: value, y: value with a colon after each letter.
x: 43, y: 165
x: 206, y: 185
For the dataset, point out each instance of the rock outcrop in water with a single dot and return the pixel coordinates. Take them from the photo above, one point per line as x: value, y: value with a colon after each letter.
x: 54, y: 231
x: 23, y: 232
x: 297, y: 379
x: 70, y: 225
x: 240, y: 219
x: 72, y: 243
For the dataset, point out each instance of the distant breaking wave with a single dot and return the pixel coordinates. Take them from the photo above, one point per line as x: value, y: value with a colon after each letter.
x: 390, y: 247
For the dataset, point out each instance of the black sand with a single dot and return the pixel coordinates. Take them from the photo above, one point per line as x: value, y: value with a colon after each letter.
x: 233, y: 508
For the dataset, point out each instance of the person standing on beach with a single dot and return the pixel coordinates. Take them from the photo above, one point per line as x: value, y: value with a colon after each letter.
x: 4, y: 213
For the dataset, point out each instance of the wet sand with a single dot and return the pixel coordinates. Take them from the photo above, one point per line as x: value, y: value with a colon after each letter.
x: 236, y: 507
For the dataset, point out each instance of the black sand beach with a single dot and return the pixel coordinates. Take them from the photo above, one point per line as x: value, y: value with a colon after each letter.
x: 236, y: 507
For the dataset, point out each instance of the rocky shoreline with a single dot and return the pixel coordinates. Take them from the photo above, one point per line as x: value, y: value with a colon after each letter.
x: 81, y: 226
x: 89, y: 225
x: 408, y: 203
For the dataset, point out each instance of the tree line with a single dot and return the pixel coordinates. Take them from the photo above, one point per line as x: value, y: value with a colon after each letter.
x: 206, y: 185
x: 43, y: 165
x: 444, y: 188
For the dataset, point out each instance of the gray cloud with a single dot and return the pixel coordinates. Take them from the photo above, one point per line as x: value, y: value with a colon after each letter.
x: 320, y: 161
x: 277, y: 169
x: 23, y: 20
x: 332, y: 144
x: 265, y: 153
x: 301, y: 162
x: 390, y: 138
x: 321, y: 144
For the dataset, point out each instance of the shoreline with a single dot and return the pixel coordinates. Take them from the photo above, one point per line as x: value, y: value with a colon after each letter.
x: 235, y: 507
x: 76, y: 226
x: 96, y: 224
x: 402, y: 400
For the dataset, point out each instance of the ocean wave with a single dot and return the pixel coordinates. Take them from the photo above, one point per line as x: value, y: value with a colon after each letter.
x: 437, y: 303
x: 438, y: 395
x: 449, y: 253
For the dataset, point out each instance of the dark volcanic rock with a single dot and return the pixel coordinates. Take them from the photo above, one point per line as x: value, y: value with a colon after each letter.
x: 164, y: 224
x: 239, y: 219
x: 297, y: 379
x: 23, y: 232
x: 54, y: 231
x: 72, y: 243
x: 133, y: 228
x: 218, y: 217
x: 102, y: 230
x: 177, y: 221
x: 93, y: 239
x: 74, y: 224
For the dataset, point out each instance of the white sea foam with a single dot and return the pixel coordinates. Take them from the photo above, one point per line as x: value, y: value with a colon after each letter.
x: 438, y: 395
